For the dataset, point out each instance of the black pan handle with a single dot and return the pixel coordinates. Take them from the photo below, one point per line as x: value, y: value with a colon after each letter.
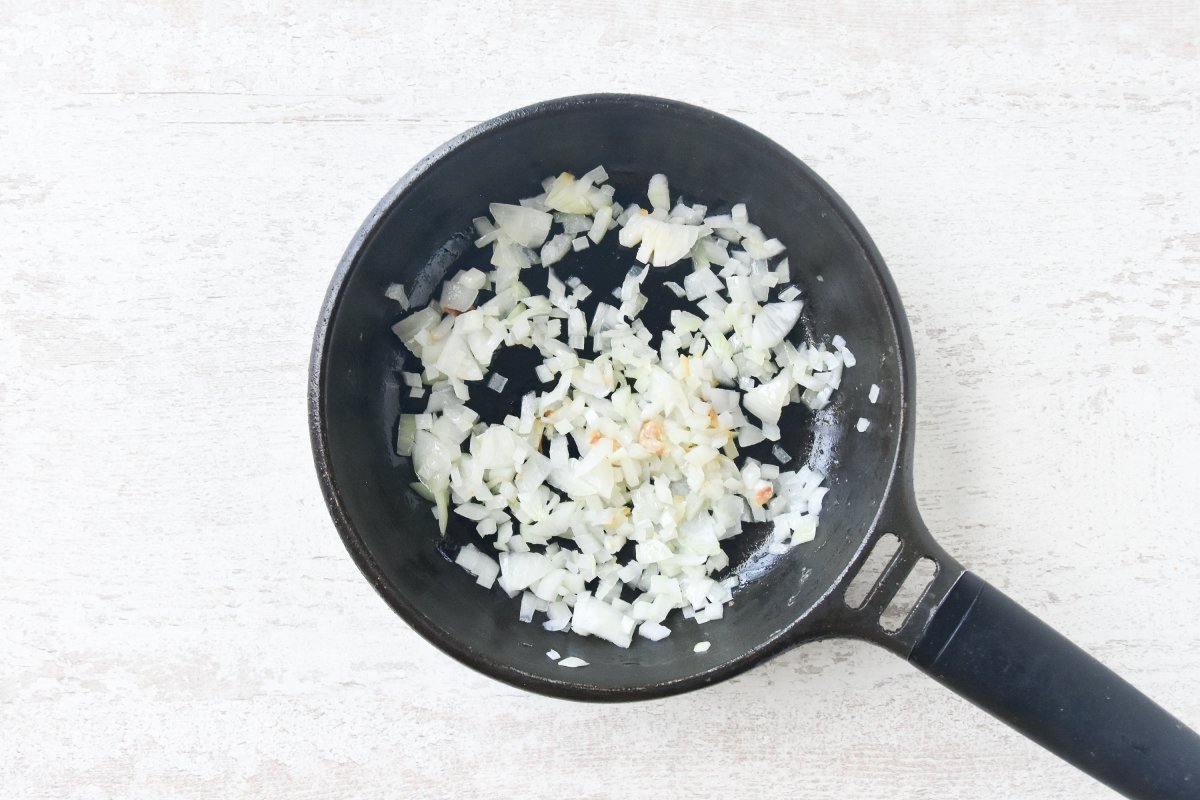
x: 985, y: 647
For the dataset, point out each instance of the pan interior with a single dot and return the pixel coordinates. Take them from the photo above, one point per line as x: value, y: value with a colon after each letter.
x: 425, y: 231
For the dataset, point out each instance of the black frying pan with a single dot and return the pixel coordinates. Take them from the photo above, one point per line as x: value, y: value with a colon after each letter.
x: 961, y: 631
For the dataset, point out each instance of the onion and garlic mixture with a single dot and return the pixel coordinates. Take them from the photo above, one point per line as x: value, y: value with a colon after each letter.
x: 604, y: 503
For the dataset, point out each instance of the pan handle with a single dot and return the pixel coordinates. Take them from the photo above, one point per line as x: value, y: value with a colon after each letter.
x: 987, y: 648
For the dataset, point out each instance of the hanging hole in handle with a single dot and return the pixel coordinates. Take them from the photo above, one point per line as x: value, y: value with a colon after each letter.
x: 881, y: 555
x: 908, y: 595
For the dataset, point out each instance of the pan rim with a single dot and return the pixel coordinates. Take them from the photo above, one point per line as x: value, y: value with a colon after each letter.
x: 462, y: 651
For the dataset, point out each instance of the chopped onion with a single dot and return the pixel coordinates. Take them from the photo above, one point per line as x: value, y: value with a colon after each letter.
x: 483, y: 225
x: 408, y: 328
x: 510, y: 258
x: 767, y: 400
x: 396, y: 292
x: 474, y: 561
x: 569, y: 195
x: 598, y: 618
x: 497, y: 382
x: 528, y: 607
x: 653, y: 631
x: 659, y: 195
x: 862, y: 424
x: 701, y: 283
x: 595, y: 175
x: 873, y: 395
x: 662, y: 243
x: 632, y: 445
x: 521, y: 570
x: 773, y: 323
x: 575, y: 224
x: 783, y: 274
x: 556, y: 249
x: 600, y: 225
x: 458, y: 296
x: 572, y: 662
x: 407, y: 434
x: 701, y: 647
x: 527, y: 227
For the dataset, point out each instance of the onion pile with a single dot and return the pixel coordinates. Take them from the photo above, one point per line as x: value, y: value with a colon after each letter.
x: 604, y: 504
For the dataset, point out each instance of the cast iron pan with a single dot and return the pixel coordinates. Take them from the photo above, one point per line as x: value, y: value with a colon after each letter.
x: 962, y: 631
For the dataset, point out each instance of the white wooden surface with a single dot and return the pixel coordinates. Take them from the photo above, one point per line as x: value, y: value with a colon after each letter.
x: 178, y: 617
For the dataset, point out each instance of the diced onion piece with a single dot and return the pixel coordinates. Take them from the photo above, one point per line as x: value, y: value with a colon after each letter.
x: 527, y: 227
x: 406, y: 435
x: 766, y: 401
x: 597, y: 618
x: 569, y: 195
x: 862, y: 424
x: 519, y: 571
x: 528, y: 607
x: 396, y: 292
x: 653, y: 631
x: 783, y: 274
x: 773, y: 323
x: 662, y: 243
x: 600, y: 225
x: 458, y: 296
x: 510, y: 258
x: 700, y: 283
x: 456, y: 361
x: 474, y: 561
x: 658, y: 193
x: 556, y: 249
x: 701, y: 647
x: 575, y: 224
x: 572, y: 662
x: 408, y: 328
x: 472, y: 278
x: 596, y: 175
x: 497, y: 382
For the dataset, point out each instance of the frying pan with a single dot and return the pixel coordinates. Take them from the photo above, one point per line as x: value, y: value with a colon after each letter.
x: 960, y: 630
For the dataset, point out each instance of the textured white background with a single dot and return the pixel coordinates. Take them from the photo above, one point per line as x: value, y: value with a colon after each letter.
x: 178, y: 617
